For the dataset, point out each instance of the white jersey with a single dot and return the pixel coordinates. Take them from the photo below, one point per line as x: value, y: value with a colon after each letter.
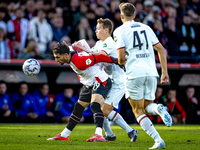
x: 114, y: 71
x: 89, y: 75
x: 138, y: 40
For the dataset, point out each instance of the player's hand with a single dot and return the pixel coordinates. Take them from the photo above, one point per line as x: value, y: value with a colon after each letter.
x: 78, y: 44
x: 74, y: 43
x: 65, y: 43
x: 164, y: 78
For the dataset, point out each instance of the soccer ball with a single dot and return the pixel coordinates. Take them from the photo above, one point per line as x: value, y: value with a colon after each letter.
x: 31, y: 67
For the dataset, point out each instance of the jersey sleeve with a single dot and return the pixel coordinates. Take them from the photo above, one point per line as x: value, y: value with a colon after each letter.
x: 153, y: 38
x: 95, y: 48
x: 118, y: 39
x: 84, y: 44
x: 83, y: 62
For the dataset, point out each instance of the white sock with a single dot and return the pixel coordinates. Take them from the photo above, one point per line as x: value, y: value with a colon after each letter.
x: 106, y: 127
x: 65, y: 133
x: 148, y: 127
x: 98, y: 131
x: 117, y: 118
x: 151, y: 109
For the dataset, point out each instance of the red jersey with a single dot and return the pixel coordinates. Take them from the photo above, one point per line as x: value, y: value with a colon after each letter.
x: 85, y: 65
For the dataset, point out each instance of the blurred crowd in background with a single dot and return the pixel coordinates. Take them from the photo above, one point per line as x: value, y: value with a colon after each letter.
x: 31, y: 28
x: 39, y: 106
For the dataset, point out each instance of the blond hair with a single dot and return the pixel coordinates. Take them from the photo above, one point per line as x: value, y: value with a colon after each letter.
x: 106, y: 23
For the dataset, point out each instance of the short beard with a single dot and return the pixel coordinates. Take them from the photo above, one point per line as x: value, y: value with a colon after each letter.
x: 63, y: 62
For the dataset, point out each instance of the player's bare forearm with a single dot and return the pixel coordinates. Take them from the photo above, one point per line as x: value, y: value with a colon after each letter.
x: 78, y: 44
x: 83, y: 48
x: 121, y: 56
x: 163, y: 62
x: 162, y: 57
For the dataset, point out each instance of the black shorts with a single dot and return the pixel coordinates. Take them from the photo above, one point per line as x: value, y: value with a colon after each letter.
x: 99, y: 88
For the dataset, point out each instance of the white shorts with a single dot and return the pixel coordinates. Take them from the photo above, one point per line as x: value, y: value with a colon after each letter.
x: 114, y: 96
x: 143, y: 87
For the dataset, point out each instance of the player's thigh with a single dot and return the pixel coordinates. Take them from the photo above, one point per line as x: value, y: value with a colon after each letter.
x: 150, y: 88
x: 100, y: 91
x: 85, y: 96
x: 98, y: 98
x: 114, y: 96
x: 135, y: 88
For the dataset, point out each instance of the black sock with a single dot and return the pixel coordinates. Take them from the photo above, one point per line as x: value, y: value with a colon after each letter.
x: 97, y: 114
x: 75, y: 116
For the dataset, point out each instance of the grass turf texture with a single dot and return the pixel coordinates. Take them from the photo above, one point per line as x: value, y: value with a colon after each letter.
x: 33, y: 137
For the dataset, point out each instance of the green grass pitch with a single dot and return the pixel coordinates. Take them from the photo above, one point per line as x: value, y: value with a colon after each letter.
x: 33, y: 137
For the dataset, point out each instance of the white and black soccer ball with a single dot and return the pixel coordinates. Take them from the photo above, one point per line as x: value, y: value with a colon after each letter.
x: 31, y: 67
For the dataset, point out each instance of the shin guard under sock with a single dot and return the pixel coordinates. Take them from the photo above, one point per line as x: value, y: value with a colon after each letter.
x: 75, y: 116
x: 97, y: 114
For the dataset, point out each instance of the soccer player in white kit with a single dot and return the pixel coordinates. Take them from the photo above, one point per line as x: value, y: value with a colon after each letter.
x: 107, y: 46
x: 96, y: 85
x: 135, y: 44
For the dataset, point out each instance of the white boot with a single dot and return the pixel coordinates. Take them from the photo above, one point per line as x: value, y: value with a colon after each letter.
x: 167, y: 119
x: 158, y: 145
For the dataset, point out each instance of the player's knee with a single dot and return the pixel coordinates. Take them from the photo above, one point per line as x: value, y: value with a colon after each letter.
x: 97, y: 98
x: 105, y: 112
x: 106, y: 109
x: 84, y: 104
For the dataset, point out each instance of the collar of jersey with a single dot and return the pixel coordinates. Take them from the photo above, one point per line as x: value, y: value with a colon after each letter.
x: 106, y: 39
x: 129, y: 21
x: 72, y: 53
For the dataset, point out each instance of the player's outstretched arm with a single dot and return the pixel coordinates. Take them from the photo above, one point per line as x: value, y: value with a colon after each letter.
x: 163, y: 61
x: 83, y: 62
x: 79, y: 44
x: 104, y: 58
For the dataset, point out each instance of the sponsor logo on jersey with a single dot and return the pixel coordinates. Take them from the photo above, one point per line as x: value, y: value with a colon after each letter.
x: 104, y: 45
x: 88, y: 61
x: 115, y: 38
